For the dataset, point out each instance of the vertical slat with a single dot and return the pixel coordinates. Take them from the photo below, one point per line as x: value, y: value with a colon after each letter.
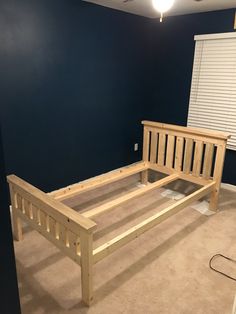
x: 63, y: 235
x: 44, y: 220
x: 146, y: 140
x: 217, y: 175
x: 57, y: 230
x: 208, y: 158
x: 170, y: 151
x: 74, y: 242
x: 28, y: 209
x: 36, y: 214
x: 86, y: 266
x: 23, y: 205
x: 31, y: 211
x: 188, y: 155
x: 153, y: 154
x: 197, y: 158
x: 19, y: 202
x: 179, y: 153
x: 161, y: 149
x: 52, y: 226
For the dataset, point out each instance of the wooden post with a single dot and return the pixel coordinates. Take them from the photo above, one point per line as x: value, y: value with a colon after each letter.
x: 146, y: 139
x: 86, y: 248
x: 218, y: 170
x: 16, y: 221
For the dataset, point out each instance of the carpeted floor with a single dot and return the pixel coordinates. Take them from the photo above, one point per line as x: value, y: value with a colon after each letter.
x: 163, y: 271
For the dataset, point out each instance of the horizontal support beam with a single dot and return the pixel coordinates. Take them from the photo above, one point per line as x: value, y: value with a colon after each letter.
x: 98, y: 181
x: 66, y: 250
x: 182, y: 176
x: 188, y: 130
x: 111, y: 246
x: 127, y: 197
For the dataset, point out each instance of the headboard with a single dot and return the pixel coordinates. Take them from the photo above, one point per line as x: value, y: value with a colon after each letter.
x: 194, y: 152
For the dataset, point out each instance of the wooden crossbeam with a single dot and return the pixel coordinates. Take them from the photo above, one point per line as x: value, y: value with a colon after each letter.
x: 193, y: 131
x: 111, y: 246
x: 182, y: 176
x: 127, y: 197
x: 98, y: 181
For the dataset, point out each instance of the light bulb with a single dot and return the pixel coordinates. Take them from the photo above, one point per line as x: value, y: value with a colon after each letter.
x: 162, y: 5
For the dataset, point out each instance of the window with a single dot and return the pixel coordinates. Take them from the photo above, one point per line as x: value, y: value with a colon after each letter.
x: 212, y: 102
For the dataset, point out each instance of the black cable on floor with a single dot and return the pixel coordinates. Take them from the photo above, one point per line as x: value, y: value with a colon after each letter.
x: 218, y: 271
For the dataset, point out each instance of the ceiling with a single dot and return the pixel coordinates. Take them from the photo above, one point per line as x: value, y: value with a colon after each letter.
x: 145, y: 8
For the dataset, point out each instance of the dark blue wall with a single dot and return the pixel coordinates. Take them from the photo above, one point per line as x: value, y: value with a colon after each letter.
x: 73, y: 85
x: 76, y: 79
x: 173, y: 50
x: 8, y: 284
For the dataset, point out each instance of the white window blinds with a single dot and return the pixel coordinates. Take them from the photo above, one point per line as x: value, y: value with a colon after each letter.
x: 212, y: 102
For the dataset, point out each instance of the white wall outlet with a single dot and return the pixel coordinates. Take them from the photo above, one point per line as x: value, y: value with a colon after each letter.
x: 135, y: 147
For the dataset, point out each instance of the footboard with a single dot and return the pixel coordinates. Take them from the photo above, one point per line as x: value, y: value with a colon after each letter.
x: 68, y: 230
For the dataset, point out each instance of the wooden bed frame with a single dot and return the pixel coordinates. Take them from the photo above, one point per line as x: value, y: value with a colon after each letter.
x: 190, y: 154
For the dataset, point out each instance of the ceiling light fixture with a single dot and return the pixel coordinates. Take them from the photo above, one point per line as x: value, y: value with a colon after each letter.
x: 162, y: 6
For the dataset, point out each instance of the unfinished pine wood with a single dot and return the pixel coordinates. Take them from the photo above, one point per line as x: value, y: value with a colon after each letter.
x: 197, y: 162
x: 179, y: 153
x: 196, y: 137
x: 65, y: 249
x: 72, y: 232
x: 52, y: 227
x: 86, y: 247
x: 146, y: 140
x: 16, y: 222
x: 63, y: 235
x: 98, y: 181
x: 161, y: 149
x: 146, y: 149
x: 127, y: 197
x: 208, y: 159
x: 74, y: 242
x: 111, y: 246
x: 44, y: 220
x: 186, y: 177
x: 36, y: 214
x: 218, y: 170
x: 59, y: 211
x: 188, y: 155
x: 153, y: 154
x: 28, y: 209
x: 170, y: 151
x: 144, y: 177
x: 19, y: 202
x: 188, y: 130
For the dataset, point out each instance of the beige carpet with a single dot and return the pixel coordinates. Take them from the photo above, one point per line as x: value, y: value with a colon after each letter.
x: 163, y: 271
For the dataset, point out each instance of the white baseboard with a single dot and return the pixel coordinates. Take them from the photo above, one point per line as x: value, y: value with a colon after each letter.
x: 229, y: 187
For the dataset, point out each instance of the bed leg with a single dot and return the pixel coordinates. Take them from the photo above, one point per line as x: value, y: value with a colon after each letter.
x: 144, y: 177
x: 86, y: 247
x: 16, y: 226
x: 214, y: 197
x: 217, y: 175
x: 16, y: 221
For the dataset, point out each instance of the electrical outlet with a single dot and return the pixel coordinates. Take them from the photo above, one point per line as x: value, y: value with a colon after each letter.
x: 135, y: 147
